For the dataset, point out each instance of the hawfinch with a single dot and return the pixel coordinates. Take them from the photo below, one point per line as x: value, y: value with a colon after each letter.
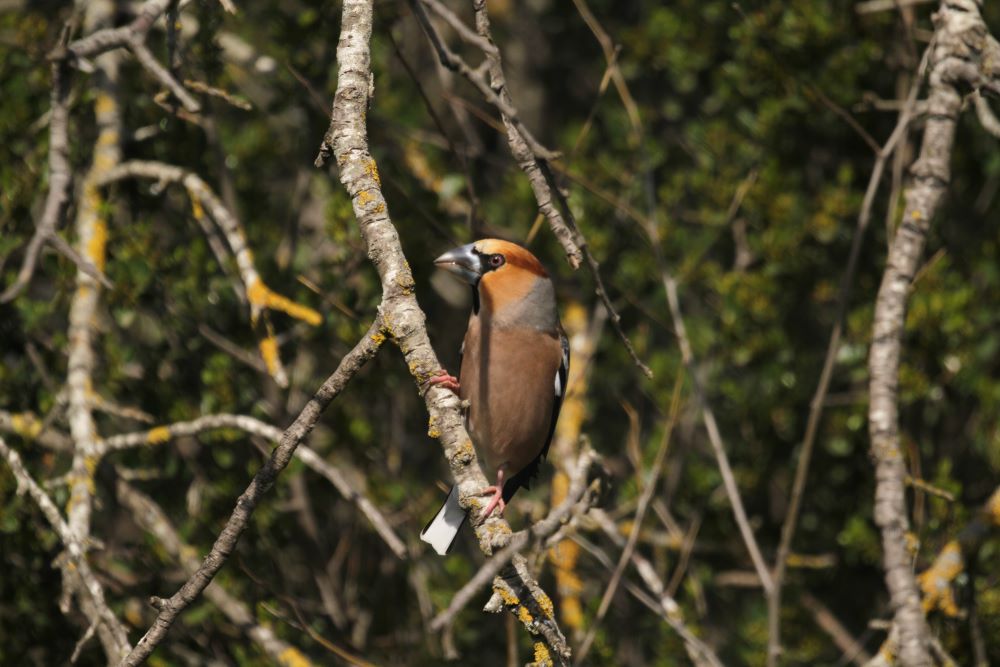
x: 515, y: 360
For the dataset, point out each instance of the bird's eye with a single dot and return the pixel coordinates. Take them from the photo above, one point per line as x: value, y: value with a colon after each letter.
x: 497, y: 260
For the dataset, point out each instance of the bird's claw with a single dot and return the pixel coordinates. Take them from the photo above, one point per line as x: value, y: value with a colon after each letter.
x: 444, y: 380
x: 496, y: 501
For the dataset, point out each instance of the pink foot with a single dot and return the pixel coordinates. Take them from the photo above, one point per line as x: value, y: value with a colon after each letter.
x: 444, y: 380
x: 495, y: 501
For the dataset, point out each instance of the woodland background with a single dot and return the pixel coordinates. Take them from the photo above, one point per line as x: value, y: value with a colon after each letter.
x: 740, y: 132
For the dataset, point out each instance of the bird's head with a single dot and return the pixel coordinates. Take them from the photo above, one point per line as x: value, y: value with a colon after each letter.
x: 501, y: 273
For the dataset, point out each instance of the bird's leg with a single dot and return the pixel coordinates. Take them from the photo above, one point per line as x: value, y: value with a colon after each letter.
x: 444, y: 380
x: 497, y: 499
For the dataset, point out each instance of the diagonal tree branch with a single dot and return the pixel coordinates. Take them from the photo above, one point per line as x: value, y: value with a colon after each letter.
x: 150, y: 517
x: 346, y: 140
x: 205, y: 203
x: 97, y: 608
x: 238, y: 521
x: 533, y: 160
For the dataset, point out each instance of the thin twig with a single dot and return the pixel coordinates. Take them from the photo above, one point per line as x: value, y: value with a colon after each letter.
x: 91, y: 587
x: 224, y: 544
x: 649, y: 488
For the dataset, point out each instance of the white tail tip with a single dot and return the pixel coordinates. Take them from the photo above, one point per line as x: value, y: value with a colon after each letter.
x: 440, y: 533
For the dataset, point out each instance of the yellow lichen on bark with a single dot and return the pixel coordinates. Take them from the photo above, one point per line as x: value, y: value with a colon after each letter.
x: 97, y: 247
x: 292, y: 657
x: 372, y: 170
x: 508, y: 598
x: 158, y: 435
x: 261, y: 295
x: 26, y: 425
x: 269, y: 353
x: 542, y: 656
x: 564, y: 557
x: 196, y: 208
x: 524, y: 615
x: 935, y: 582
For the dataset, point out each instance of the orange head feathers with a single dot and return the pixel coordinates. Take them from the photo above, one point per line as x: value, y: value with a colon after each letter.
x: 501, y: 273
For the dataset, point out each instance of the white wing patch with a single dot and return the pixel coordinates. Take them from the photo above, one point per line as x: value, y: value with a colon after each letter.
x: 563, y: 371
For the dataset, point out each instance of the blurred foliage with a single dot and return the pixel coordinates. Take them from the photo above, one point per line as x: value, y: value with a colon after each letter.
x: 732, y: 97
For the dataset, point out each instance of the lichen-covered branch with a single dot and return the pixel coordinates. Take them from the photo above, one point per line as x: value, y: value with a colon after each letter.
x: 224, y: 545
x: 578, y: 500
x: 403, y: 320
x: 961, y: 52
x: 314, y: 461
x: 91, y: 240
x: 100, y: 41
x: 205, y: 203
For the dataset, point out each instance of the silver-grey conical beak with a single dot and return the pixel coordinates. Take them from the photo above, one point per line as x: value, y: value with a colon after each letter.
x: 463, y: 262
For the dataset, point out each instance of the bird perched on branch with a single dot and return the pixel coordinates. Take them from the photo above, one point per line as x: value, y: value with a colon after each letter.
x: 515, y: 360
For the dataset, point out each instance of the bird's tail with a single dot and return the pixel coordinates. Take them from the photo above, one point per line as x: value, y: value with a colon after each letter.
x: 440, y: 533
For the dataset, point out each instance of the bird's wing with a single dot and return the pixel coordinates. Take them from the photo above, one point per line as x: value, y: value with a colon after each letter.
x: 524, y: 477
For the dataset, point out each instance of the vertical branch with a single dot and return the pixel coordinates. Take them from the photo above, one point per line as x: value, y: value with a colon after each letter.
x: 583, y: 341
x: 92, y: 233
x: 60, y: 178
x: 960, y: 39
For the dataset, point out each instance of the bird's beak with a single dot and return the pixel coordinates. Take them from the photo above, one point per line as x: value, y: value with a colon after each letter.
x: 464, y: 262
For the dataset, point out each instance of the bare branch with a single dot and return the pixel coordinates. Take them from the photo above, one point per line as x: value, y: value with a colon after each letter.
x: 317, y: 463
x: 714, y: 436
x: 261, y: 297
x: 148, y: 515
x: 578, y: 500
x: 851, y: 648
x: 650, y: 486
x: 59, y: 182
x: 91, y: 229
x: 960, y: 48
x: 91, y: 587
x: 668, y: 609
x: 171, y: 608
x: 531, y: 158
